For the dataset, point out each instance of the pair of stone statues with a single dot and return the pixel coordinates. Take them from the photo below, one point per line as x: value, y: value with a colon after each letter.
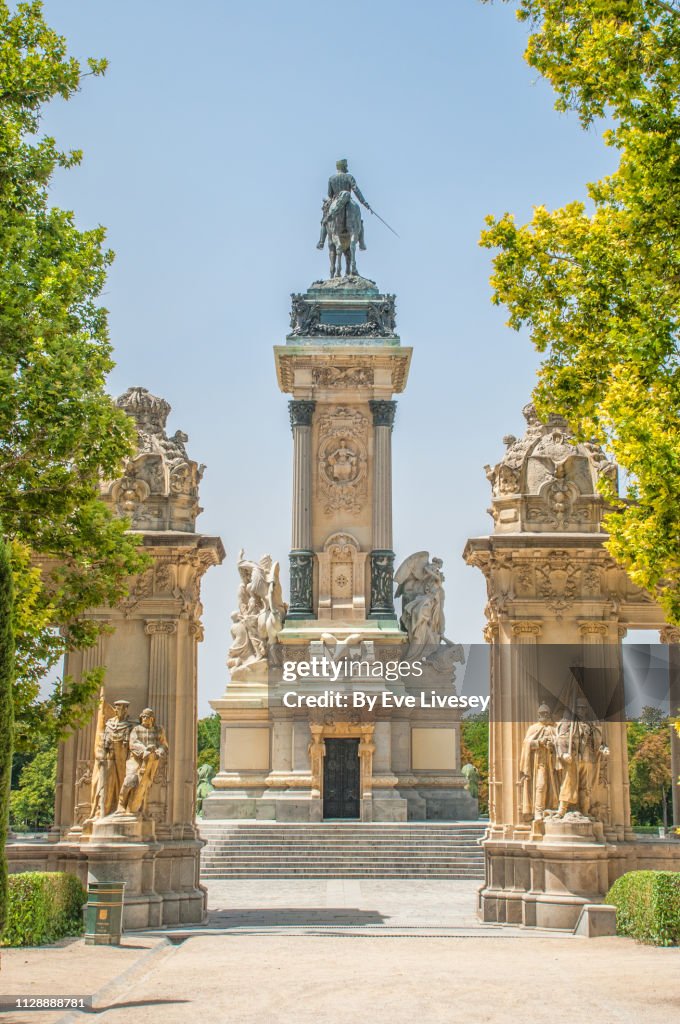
x: 127, y: 757
x: 560, y: 763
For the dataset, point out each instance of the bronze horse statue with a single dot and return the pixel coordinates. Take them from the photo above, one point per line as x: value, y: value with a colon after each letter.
x: 342, y: 225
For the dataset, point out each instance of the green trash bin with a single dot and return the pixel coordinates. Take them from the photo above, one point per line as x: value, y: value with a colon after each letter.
x: 104, y: 913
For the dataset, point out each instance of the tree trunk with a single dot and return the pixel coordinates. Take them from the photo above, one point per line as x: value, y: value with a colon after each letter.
x: 664, y: 807
x: 6, y: 714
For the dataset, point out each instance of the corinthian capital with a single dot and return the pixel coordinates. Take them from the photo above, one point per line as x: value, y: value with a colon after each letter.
x: 383, y: 412
x: 301, y: 412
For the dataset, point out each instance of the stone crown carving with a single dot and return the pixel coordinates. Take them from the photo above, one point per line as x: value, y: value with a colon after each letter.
x: 547, y: 481
x: 159, y: 487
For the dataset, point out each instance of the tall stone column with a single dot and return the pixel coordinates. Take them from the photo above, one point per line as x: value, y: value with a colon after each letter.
x: 604, y: 689
x: 72, y: 795
x: 301, y: 554
x: 161, y: 678
x: 671, y: 635
x: 521, y: 707
x: 382, y: 555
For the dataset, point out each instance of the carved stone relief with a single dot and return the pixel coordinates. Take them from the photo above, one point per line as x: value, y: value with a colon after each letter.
x: 343, y: 460
x: 558, y: 580
x: 342, y: 570
x: 342, y: 376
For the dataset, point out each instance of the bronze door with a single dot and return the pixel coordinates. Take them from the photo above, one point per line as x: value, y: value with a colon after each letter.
x: 341, y: 779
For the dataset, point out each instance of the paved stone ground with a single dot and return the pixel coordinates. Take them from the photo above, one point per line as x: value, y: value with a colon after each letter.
x: 296, y: 952
x: 312, y: 903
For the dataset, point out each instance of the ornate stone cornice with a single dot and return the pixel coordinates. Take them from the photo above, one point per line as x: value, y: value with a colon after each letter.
x: 301, y: 412
x: 669, y: 634
x: 160, y: 626
x: 383, y: 412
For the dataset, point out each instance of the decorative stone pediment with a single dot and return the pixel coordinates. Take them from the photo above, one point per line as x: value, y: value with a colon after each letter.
x: 547, y: 481
x: 159, y: 488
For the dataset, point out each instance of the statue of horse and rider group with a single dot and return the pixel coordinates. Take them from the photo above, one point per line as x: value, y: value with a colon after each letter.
x: 341, y: 221
x: 343, y: 227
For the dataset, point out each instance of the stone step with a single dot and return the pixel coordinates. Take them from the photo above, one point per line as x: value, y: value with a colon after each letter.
x: 239, y: 873
x: 383, y: 844
x: 327, y: 837
x: 213, y: 858
x: 342, y: 850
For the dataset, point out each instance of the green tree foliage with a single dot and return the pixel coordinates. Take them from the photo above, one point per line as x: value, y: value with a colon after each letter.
x: 31, y: 804
x: 649, y: 768
x: 6, y: 713
x: 59, y: 430
x: 474, y: 749
x: 597, y: 283
x: 209, y: 741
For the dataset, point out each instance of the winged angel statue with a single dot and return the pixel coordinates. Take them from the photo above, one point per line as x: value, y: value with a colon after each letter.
x: 420, y: 585
x: 260, y: 615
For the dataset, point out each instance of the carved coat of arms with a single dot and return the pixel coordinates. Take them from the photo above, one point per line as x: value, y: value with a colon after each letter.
x: 343, y: 460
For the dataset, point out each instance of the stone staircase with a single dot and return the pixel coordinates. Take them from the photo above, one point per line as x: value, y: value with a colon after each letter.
x: 262, y: 849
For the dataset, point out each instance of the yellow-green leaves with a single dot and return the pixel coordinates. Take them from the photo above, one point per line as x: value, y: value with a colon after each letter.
x: 598, y: 287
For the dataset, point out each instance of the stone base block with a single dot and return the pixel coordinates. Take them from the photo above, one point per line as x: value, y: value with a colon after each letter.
x: 161, y: 878
x: 596, y: 921
x: 218, y: 805
x: 547, y: 884
x: 442, y: 804
x: 393, y: 808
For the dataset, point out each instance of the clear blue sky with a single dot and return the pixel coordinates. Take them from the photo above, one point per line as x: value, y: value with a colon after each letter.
x: 207, y: 149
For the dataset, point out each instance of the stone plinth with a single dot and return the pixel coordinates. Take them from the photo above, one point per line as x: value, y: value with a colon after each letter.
x: 341, y: 363
x: 547, y: 884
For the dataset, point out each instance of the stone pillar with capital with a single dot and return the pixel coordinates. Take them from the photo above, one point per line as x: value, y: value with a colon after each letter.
x: 671, y: 635
x: 602, y: 662
x: 382, y: 555
x: 301, y: 555
x: 557, y: 610
x: 149, y: 658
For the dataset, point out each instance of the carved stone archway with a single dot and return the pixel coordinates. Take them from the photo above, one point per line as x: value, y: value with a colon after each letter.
x: 363, y: 731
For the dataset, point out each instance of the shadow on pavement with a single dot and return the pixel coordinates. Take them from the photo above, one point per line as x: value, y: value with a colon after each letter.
x: 277, y: 916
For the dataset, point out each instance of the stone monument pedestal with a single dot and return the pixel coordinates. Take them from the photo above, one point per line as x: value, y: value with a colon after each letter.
x: 546, y: 881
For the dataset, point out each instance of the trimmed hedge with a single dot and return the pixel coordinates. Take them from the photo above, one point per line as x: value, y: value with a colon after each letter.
x: 43, y: 906
x: 648, y: 906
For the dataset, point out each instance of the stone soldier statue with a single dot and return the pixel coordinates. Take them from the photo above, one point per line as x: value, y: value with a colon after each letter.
x: 148, y: 747
x: 340, y: 182
x: 580, y: 749
x: 537, y: 778
x: 110, y: 756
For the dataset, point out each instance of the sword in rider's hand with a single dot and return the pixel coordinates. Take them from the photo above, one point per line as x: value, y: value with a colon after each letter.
x: 380, y: 218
